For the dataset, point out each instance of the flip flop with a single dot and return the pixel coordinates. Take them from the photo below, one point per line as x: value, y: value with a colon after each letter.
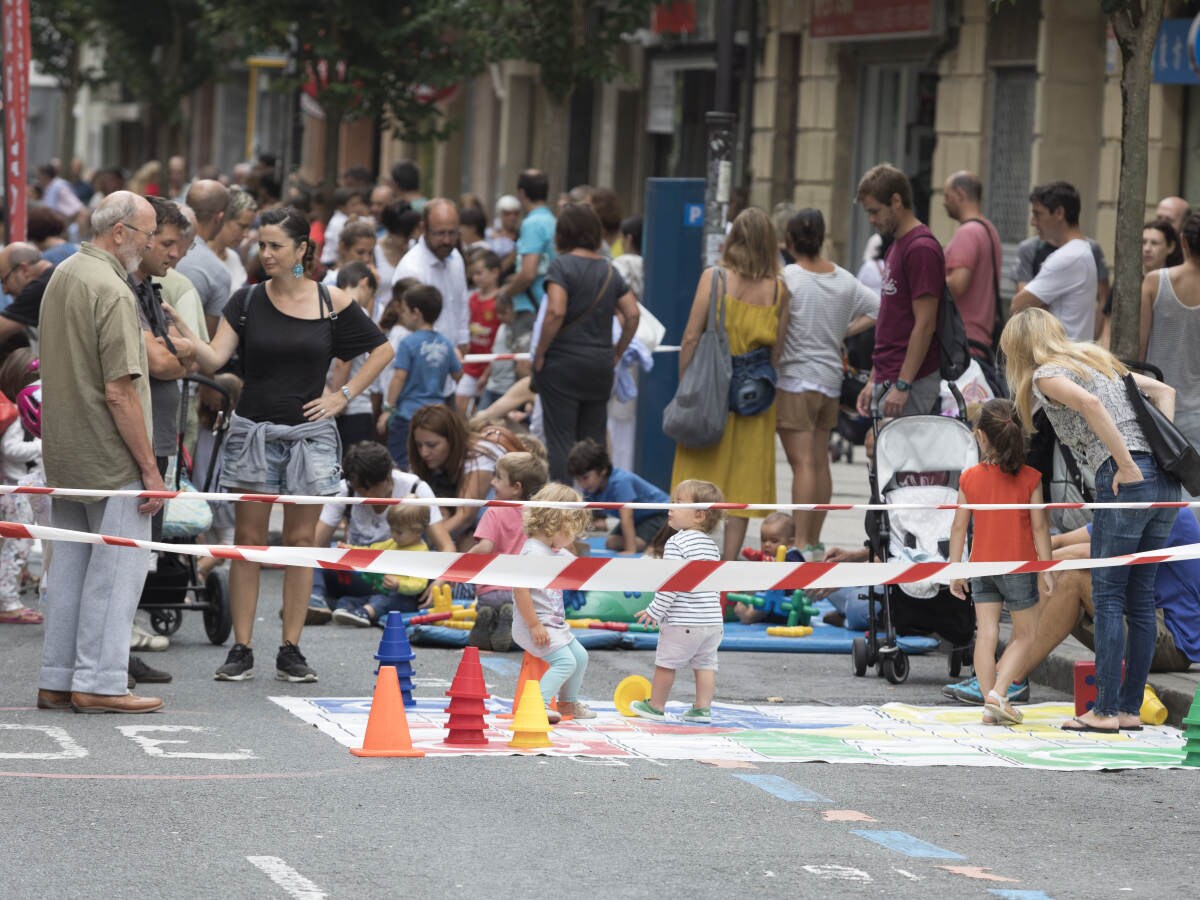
x: 23, y: 616
x: 1084, y: 726
x: 1130, y: 727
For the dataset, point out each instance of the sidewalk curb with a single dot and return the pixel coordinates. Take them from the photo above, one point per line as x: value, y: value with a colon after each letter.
x: 1176, y: 689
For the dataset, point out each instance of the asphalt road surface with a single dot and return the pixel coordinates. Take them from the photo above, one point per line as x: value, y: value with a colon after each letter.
x: 227, y: 795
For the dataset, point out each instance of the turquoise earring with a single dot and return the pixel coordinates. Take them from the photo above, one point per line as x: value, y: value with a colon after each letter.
x: 297, y: 271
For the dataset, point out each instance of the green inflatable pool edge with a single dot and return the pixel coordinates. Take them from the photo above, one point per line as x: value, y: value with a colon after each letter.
x: 612, y: 606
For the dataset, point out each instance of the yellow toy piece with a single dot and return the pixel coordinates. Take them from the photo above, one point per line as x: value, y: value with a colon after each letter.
x: 1153, y: 712
x: 635, y: 687
x: 460, y: 624
x: 581, y: 623
x: 781, y: 553
x: 463, y: 613
x: 794, y: 631
x: 443, y: 599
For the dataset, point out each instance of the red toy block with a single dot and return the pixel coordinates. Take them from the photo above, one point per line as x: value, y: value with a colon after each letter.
x: 1085, y: 685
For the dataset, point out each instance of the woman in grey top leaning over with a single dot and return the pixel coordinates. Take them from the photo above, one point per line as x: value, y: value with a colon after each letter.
x: 825, y: 305
x: 1171, y: 328
x: 1080, y: 387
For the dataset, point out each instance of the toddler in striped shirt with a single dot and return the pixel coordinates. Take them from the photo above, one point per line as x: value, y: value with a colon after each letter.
x: 691, y: 625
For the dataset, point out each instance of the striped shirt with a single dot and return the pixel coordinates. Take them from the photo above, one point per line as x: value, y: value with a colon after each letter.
x: 688, y: 607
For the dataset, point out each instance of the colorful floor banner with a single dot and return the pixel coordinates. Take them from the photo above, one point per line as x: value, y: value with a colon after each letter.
x: 895, y: 734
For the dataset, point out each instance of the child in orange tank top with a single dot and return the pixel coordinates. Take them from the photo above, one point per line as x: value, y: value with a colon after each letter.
x: 1001, y: 536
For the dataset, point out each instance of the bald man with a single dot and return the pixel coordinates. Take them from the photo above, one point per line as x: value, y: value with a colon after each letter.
x: 206, y: 271
x: 24, y: 275
x: 972, y: 257
x: 1174, y: 210
x: 96, y: 435
x: 434, y: 260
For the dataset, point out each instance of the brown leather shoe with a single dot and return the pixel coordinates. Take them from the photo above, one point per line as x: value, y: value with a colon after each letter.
x: 107, y: 703
x: 53, y: 699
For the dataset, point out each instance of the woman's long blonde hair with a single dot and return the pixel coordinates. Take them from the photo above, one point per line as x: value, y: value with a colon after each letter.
x: 1033, y: 338
x: 752, y: 246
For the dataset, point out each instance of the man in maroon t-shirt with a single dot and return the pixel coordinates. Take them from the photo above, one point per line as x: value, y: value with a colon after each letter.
x: 905, y: 366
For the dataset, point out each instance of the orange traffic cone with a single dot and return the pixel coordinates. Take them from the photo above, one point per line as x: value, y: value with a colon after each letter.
x: 532, y: 669
x: 387, y: 725
x: 531, y: 728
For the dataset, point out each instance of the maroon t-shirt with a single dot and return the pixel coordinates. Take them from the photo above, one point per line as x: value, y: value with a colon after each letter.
x: 914, y: 267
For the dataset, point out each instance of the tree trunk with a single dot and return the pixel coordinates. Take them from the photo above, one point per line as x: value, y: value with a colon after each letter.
x: 333, y: 143
x: 554, y: 144
x: 66, y: 147
x: 1137, y: 49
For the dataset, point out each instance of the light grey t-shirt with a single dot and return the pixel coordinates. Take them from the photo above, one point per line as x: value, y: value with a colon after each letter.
x: 1071, y: 427
x: 548, y: 604
x: 1066, y: 284
x: 820, y: 309
x: 209, y: 274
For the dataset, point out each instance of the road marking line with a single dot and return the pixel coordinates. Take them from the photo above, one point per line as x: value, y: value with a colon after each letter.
x: 837, y: 873
x: 1019, y: 895
x: 728, y: 763
x: 783, y: 789
x: 155, y: 746
x: 846, y: 815
x: 68, y: 748
x: 980, y: 873
x: 908, y: 874
x: 291, y: 881
x: 905, y: 843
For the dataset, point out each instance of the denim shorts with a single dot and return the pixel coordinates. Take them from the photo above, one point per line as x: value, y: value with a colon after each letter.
x: 1017, y: 591
x: 325, y: 468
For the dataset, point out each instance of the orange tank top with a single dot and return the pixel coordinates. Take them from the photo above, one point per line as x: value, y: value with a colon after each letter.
x: 1001, y: 535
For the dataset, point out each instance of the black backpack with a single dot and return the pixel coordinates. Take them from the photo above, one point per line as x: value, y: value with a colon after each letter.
x: 951, y: 334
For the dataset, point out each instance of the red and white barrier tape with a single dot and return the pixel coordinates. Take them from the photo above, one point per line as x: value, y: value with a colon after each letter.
x: 303, y: 500
x: 525, y: 357
x: 605, y: 574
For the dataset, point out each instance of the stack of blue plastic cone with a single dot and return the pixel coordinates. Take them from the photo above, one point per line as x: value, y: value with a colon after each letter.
x: 395, y: 650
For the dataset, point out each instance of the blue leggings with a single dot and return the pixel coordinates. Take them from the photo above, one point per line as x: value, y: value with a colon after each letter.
x: 567, y: 667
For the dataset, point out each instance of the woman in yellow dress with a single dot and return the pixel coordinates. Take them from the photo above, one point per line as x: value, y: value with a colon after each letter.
x: 742, y: 463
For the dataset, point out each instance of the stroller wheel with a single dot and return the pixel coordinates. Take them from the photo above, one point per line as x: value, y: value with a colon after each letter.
x: 895, y: 667
x: 218, y: 619
x: 859, y: 651
x: 166, y: 621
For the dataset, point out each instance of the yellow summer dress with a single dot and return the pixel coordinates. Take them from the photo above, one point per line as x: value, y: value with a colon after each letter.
x: 742, y: 463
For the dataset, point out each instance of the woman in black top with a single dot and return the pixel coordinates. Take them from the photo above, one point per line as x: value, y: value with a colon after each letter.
x: 283, y: 437
x: 575, y: 357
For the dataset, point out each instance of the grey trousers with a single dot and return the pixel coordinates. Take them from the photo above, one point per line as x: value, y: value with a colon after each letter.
x: 92, y: 595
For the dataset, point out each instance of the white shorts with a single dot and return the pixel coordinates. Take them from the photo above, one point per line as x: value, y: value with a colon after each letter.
x: 688, y: 646
x: 468, y: 386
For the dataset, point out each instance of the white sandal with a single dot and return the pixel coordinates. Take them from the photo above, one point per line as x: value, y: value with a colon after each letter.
x: 1004, y: 712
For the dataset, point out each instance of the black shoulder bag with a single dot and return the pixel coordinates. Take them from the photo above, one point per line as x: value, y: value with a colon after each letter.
x: 1172, y: 451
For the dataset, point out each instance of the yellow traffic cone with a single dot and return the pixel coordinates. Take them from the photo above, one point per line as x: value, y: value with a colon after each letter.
x: 530, y: 726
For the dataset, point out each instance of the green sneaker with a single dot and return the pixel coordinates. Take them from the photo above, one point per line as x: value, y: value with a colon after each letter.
x: 702, y: 716
x: 644, y: 710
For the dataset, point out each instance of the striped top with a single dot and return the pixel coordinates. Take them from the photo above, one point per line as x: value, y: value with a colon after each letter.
x: 688, y: 607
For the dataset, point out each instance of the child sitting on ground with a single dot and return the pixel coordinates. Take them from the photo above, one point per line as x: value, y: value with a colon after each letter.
x: 501, y: 529
x: 396, y: 593
x: 778, y: 530
x: 589, y: 464
x: 1001, y: 535
x: 424, y: 360
x: 540, y: 624
x: 690, y: 622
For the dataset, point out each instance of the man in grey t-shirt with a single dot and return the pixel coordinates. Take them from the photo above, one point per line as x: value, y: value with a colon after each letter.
x: 203, y: 268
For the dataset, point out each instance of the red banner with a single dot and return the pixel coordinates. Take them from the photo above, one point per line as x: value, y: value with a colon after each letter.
x: 859, y: 19
x: 676, y: 17
x: 16, y: 113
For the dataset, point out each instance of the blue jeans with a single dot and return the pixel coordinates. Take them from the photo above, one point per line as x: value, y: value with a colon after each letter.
x: 397, y: 440
x: 381, y: 604
x: 1127, y: 591
x: 854, y: 607
x: 567, y: 667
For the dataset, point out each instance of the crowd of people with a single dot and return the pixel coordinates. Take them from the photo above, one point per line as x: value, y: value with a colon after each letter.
x: 339, y: 327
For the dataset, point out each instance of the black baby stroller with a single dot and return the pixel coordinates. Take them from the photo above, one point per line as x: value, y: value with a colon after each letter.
x: 918, y: 459
x: 175, y: 576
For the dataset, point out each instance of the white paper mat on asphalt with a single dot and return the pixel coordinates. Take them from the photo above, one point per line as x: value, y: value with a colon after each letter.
x: 895, y: 734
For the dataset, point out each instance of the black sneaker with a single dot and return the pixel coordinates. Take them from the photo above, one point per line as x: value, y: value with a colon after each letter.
x: 481, y: 631
x: 502, y: 634
x: 239, y: 664
x: 144, y: 674
x: 290, y: 665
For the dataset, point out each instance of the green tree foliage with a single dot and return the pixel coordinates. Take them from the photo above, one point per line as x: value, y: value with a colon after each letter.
x: 59, y: 30
x: 374, y: 58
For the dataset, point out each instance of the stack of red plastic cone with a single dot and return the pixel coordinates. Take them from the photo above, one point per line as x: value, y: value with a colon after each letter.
x: 467, y: 693
x: 532, y: 669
